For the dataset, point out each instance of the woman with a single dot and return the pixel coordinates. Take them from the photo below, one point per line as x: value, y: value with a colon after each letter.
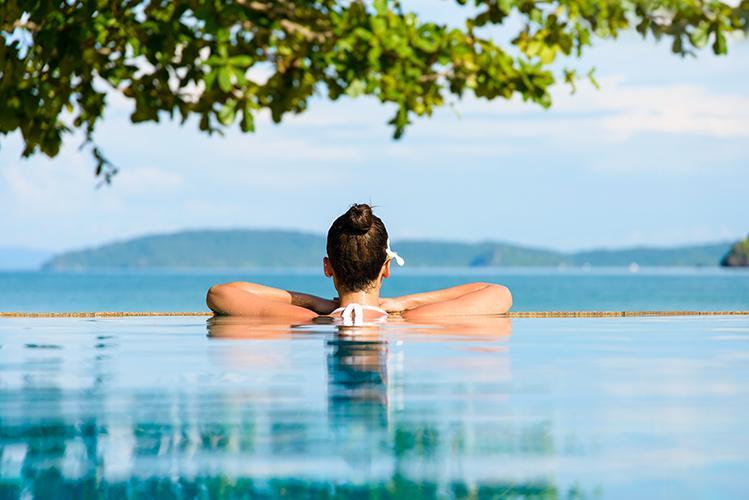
x: 358, y: 259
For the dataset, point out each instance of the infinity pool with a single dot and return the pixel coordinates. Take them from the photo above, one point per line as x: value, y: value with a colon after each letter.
x: 487, y: 408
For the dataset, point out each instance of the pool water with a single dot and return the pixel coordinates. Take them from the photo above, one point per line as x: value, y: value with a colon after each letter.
x: 479, y: 408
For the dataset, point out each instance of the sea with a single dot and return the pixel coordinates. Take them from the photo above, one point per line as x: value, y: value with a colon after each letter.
x: 533, y: 289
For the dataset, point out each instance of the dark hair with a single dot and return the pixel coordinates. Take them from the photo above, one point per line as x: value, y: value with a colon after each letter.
x: 356, y: 247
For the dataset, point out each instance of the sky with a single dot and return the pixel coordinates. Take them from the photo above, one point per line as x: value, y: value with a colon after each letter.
x: 658, y: 156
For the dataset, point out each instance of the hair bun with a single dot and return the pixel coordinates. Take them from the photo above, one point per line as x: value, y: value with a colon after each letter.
x: 359, y: 217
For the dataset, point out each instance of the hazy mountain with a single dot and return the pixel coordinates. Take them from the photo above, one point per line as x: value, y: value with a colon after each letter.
x: 738, y: 255
x: 693, y: 255
x: 201, y: 249
x: 16, y: 258
x: 290, y: 249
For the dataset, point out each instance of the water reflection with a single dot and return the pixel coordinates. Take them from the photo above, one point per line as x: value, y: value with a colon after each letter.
x: 257, y: 418
x: 358, y: 397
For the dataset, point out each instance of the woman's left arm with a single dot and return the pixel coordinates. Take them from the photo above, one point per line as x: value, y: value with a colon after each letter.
x: 243, y: 298
x: 468, y: 299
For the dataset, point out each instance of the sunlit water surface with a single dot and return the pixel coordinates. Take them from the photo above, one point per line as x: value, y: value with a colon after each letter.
x: 482, y: 408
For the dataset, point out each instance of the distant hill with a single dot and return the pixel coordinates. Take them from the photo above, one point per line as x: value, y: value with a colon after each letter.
x: 214, y: 249
x: 16, y: 258
x: 687, y: 256
x: 737, y: 255
x: 200, y: 249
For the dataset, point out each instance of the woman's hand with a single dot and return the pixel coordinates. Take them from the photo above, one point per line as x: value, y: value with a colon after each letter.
x: 394, y: 305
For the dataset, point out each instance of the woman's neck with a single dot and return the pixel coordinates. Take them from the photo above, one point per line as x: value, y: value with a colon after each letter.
x: 365, y: 298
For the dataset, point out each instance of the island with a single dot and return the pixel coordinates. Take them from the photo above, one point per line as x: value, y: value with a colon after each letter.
x: 282, y: 249
x: 738, y: 255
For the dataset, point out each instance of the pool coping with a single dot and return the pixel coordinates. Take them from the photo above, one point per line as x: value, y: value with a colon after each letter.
x: 513, y: 314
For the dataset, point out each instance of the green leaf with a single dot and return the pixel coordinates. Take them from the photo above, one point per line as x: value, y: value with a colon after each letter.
x: 227, y: 113
x: 239, y: 76
x: 534, y: 48
x: 241, y: 61
x: 700, y: 35
x: 248, y: 120
x: 677, y: 47
x: 547, y: 54
x: 209, y: 79
x: 505, y: 6
x: 379, y: 27
x: 570, y: 77
x: 720, y: 46
x: 356, y: 88
x: 381, y: 6
x: 215, y: 61
x: 592, y: 78
x: 224, y: 79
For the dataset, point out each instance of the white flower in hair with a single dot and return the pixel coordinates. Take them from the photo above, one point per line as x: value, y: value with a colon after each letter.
x: 394, y: 255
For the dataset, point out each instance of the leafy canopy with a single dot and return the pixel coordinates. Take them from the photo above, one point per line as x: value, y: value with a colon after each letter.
x: 224, y: 61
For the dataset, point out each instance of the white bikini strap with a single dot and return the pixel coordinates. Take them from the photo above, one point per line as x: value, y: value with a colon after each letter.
x: 358, y: 315
x: 394, y: 255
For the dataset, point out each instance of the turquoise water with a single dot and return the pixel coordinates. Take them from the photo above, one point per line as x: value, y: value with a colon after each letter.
x: 533, y: 289
x: 484, y: 408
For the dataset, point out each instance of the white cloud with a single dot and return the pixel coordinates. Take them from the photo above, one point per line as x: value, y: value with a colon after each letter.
x: 28, y: 183
x: 621, y: 110
x: 672, y: 109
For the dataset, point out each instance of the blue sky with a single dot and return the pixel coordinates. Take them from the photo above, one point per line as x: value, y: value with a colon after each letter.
x: 658, y: 156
